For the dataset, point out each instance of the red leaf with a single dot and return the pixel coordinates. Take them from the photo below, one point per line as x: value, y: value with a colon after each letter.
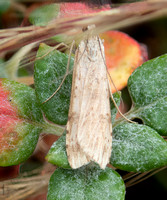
x: 18, y: 133
x: 8, y: 121
x: 5, y: 105
x: 76, y: 9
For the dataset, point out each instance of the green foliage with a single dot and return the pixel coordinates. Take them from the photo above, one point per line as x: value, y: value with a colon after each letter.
x: 155, y: 115
x: 148, y: 89
x: 48, y: 74
x: 137, y: 148
x: 4, y: 5
x: 23, y: 116
x: 57, y: 154
x: 44, y: 14
x: 86, y: 183
x: 148, y: 82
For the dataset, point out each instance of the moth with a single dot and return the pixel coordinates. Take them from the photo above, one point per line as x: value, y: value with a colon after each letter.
x: 89, y: 129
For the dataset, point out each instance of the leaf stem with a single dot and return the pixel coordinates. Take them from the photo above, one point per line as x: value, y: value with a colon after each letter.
x: 129, y: 115
x: 50, y: 128
x: 54, y: 129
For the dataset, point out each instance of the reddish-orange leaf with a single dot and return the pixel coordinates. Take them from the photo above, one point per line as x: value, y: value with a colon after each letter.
x: 76, y: 9
x: 8, y: 121
x: 123, y: 55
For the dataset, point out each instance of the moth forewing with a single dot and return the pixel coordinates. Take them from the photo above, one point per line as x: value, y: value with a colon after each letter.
x: 76, y: 156
x: 89, y: 107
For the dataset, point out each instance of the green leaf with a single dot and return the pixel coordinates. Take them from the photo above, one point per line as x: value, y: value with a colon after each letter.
x: 21, y: 122
x: 57, y: 154
x: 49, y: 72
x: 137, y: 148
x: 44, y: 14
x: 148, y: 89
x: 4, y: 5
x: 86, y: 184
x: 155, y: 115
x: 117, y: 99
x: 148, y: 82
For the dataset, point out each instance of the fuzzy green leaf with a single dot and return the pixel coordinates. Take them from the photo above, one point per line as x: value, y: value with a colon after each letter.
x: 137, y: 148
x: 57, y: 154
x: 155, y: 115
x: 148, y: 89
x: 86, y: 184
x: 49, y: 72
x: 148, y: 82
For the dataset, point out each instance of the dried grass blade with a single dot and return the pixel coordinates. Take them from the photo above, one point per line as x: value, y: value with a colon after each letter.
x: 120, y: 17
x: 143, y: 176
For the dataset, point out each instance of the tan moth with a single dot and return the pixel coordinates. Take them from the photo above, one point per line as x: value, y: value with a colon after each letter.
x: 89, y: 129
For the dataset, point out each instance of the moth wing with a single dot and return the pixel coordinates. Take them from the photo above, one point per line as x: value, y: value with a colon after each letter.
x: 94, y: 125
x: 76, y: 156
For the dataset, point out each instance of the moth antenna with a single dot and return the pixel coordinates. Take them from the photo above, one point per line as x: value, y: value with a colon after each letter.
x: 115, y: 88
x: 83, y: 52
x: 67, y: 72
x: 84, y: 29
x: 88, y: 28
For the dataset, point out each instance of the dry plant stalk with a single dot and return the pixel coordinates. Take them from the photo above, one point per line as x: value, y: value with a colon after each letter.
x: 89, y: 129
x: 115, y: 18
x: 133, y: 178
x: 25, y: 186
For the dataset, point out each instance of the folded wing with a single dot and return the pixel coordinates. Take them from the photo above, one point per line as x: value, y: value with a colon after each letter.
x: 89, y: 126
